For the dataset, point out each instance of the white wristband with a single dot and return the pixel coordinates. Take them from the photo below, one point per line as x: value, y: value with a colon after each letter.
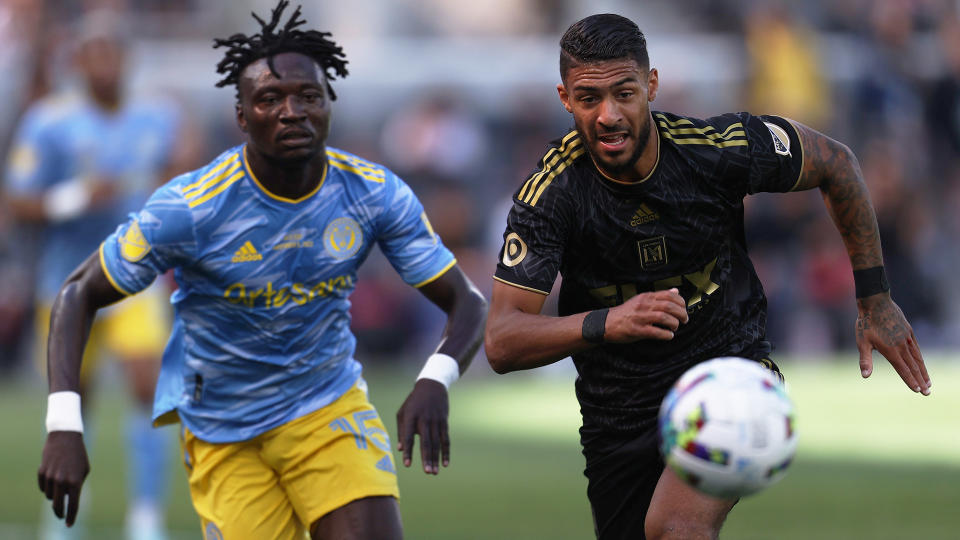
x: 441, y: 368
x: 63, y: 412
x: 67, y: 200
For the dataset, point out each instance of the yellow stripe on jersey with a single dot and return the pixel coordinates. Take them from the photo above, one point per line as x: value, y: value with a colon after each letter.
x: 216, y: 191
x: 232, y: 159
x: 437, y: 275
x: 567, y: 161
x: 211, y: 182
x: 253, y: 176
x: 106, y: 272
x: 549, y: 160
x: 357, y: 166
x: 531, y: 289
x: 357, y: 171
x: 555, y: 158
x: 733, y: 135
x: 355, y: 161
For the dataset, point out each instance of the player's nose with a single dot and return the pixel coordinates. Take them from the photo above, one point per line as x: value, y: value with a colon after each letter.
x: 610, y: 114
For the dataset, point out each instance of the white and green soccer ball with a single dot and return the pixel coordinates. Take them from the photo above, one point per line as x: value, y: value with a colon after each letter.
x: 727, y: 427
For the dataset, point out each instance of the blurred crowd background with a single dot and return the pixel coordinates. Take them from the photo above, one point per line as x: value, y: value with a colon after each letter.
x: 459, y: 99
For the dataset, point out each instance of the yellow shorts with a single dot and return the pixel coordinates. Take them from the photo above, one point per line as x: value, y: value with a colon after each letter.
x: 136, y: 328
x: 280, y: 482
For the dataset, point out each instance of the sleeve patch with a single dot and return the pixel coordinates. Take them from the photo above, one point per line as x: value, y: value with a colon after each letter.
x: 514, y: 250
x: 781, y: 141
x: 133, y: 245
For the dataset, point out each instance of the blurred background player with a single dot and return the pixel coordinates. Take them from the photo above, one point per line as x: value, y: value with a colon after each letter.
x: 81, y: 160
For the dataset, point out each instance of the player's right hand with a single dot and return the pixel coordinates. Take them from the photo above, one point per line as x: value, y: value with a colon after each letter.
x: 650, y: 315
x: 63, y: 468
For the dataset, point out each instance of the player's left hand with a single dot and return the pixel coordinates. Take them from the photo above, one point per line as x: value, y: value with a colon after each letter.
x: 882, y: 326
x: 425, y: 413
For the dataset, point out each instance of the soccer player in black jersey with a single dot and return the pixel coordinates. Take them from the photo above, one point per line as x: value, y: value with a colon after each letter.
x: 642, y: 213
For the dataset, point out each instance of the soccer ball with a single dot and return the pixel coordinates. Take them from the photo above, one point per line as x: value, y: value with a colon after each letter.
x: 727, y: 427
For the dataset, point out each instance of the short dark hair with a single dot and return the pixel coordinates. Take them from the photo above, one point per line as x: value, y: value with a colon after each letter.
x: 602, y: 37
x: 243, y: 50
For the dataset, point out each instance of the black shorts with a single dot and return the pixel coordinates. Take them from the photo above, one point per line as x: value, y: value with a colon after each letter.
x: 622, y: 472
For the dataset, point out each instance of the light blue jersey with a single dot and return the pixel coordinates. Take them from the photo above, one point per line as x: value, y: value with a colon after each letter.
x: 262, y: 328
x: 67, y: 137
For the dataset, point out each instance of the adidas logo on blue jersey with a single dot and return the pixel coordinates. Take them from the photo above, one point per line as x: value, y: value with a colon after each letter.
x: 246, y: 253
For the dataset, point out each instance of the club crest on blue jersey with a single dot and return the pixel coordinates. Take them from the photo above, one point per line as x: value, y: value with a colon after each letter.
x: 342, y: 238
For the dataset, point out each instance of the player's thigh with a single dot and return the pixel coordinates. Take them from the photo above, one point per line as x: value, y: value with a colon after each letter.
x: 235, y: 493
x: 373, y: 517
x: 622, y: 473
x: 333, y: 456
x: 680, y: 511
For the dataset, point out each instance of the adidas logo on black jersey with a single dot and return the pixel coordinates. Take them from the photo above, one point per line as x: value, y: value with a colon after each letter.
x: 643, y: 215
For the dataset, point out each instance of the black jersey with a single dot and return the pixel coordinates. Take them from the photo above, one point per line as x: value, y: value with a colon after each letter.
x: 682, y: 227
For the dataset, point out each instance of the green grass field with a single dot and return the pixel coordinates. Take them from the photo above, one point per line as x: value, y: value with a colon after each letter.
x: 875, y: 461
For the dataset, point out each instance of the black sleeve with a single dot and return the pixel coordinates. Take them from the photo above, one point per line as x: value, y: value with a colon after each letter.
x: 532, y: 245
x: 775, y: 152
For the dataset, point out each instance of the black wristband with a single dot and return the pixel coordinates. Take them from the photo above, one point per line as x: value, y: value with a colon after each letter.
x: 870, y: 281
x: 594, y: 326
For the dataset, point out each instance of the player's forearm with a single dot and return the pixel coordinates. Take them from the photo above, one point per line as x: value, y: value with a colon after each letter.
x: 464, y: 330
x: 70, y: 321
x: 517, y: 340
x: 86, y: 290
x: 833, y: 168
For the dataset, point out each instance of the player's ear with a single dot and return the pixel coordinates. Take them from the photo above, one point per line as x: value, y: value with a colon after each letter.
x: 564, y: 97
x: 653, y: 83
x: 241, y: 119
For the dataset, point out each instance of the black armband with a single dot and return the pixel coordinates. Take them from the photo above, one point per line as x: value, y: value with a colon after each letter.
x: 594, y: 326
x: 870, y: 281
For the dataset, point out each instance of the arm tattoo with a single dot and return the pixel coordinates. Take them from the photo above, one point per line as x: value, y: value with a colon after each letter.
x: 832, y: 167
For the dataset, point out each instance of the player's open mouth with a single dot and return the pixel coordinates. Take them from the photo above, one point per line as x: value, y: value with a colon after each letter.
x: 612, y: 142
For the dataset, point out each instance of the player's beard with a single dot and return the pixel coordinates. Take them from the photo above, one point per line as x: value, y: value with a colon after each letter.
x: 623, y: 169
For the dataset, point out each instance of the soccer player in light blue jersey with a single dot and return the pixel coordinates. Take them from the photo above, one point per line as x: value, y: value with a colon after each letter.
x: 278, y: 435
x: 82, y: 160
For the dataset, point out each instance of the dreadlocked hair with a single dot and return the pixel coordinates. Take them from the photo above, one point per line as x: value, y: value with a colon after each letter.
x: 243, y: 50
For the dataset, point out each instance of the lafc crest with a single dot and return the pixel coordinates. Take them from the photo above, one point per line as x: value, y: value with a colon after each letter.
x: 653, y: 252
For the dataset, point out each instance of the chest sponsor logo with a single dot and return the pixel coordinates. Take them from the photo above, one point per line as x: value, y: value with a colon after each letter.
x: 133, y: 245
x: 697, y: 287
x: 246, y: 253
x: 643, y: 215
x: 276, y: 297
x: 514, y: 250
x: 653, y: 252
x: 342, y: 238
x: 781, y: 141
